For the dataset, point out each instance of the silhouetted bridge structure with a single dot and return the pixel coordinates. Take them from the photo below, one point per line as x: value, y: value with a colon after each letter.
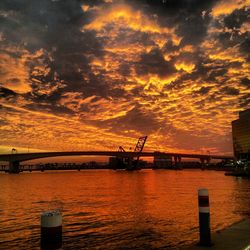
x: 14, y: 159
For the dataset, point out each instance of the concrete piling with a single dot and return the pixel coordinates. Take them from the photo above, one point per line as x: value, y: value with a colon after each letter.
x: 204, y: 217
x: 51, y: 230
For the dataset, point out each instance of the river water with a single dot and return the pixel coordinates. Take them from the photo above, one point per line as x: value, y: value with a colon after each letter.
x: 106, y: 209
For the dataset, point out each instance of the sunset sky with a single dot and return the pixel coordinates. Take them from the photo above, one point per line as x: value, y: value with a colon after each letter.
x: 94, y: 75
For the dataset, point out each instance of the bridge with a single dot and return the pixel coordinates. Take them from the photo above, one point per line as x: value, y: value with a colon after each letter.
x: 14, y: 159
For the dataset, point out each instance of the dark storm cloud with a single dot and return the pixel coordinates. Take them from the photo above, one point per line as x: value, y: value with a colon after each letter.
x: 216, y: 72
x: 177, y: 7
x: 203, y: 90
x: 232, y: 34
x: 245, y: 82
x: 237, y: 18
x: 170, y: 47
x: 127, y: 36
x: 93, y: 3
x: 65, y: 73
x: 136, y: 119
x: 245, y: 47
x: 230, y: 91
x: 193, y: 28
x: 42, y: 24
x: 125, y: 69
x: 154, y: 63
x: 55, y: 27
x: 4, y: 92
x: 96, y: 85
x: 50, y: 107
x: 245, y: 101
x: 191, y: 17
x: 209, y: 71
x: 2, y: 122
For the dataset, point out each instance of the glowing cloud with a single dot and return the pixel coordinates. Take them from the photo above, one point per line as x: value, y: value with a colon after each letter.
x: 226, y: 7
x: 88, y: 75
x: 16, y: 75
x: 188, y: 67
x: 124, y: 15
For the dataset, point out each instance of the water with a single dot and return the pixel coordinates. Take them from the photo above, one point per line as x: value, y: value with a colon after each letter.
x: 106, y: 209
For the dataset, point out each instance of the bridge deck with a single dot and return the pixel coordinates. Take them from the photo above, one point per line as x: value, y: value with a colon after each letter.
x: 30, y: 156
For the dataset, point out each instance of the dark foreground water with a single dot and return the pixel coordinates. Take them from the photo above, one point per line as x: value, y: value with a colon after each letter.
x: 105, y: 209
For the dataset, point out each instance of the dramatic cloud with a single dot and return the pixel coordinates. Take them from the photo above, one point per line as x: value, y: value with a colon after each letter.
x: 90, y: 74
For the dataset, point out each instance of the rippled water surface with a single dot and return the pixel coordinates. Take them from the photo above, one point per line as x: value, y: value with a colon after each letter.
x: 105, y: 209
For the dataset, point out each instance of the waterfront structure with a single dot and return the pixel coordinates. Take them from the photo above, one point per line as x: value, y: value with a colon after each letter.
x: 241, y: 135
x: 15, y: 159
x: 128, y: 162
x: 163, y: 161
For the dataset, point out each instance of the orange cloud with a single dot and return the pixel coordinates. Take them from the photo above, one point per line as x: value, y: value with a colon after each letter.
x: 38, y: 130
x: 188, y: 67
x: 15, y: 72
x: 225, y: 56
x: 180, y: 106
x: 226, y: 7
x: 122, y: 14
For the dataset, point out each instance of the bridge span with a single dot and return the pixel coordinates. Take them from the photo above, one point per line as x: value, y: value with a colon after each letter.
x: 14, y: 159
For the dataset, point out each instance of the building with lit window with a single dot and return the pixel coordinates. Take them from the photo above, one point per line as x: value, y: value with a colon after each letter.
x: 241, y: 135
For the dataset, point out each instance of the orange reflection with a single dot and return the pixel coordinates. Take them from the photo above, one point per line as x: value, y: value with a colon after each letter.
x: 111, y: 209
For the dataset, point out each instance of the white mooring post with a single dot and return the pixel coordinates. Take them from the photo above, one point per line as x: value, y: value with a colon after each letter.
x: 204, y: 217
x: 51, y: 230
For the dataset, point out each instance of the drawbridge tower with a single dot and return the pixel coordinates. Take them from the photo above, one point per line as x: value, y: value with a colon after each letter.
x: 138, y: 148
x: 129, y: 163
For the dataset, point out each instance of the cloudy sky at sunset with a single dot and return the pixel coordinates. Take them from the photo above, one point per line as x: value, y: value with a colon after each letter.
x: 96, y: 74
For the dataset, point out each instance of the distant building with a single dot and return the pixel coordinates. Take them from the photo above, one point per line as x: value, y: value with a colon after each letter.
x: 241, y: 135
x: 162, y: 161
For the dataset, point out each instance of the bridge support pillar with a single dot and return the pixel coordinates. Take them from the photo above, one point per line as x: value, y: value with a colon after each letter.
x: 202, y: 163
x: 131, y: 164
x: 177, y: 161
x: 14, y: 167
x: 208, y: 160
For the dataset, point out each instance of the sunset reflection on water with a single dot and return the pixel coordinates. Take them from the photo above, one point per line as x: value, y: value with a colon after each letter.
x: 108, y: 209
